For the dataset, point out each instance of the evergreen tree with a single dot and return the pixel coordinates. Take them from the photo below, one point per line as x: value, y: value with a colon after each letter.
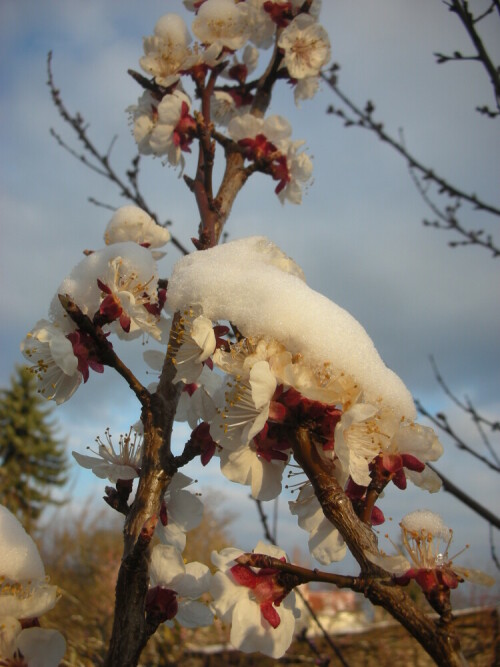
x: 32, y: 459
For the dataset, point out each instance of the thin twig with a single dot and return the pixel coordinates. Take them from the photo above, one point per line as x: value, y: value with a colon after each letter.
x: 104, y: 169
x: 476, y: 507
x: 440, y: 420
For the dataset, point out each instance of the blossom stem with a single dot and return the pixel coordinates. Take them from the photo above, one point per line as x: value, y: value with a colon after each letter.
x: 302, y: 575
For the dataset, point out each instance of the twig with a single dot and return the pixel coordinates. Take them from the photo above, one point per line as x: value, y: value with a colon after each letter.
x: 304, y: 575
x: 461, y: 9
x: 364, y: 119
x: 476, y: 507
x: 104, y: 169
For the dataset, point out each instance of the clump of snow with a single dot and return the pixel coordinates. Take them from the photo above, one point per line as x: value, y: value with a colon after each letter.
x: 137, y: 266
x: 425, y: 520
x: 131, y: 223
x: 248, y: 283
x: 19, y: 557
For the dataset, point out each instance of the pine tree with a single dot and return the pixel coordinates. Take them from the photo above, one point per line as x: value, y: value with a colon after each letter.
x: 32, y: 459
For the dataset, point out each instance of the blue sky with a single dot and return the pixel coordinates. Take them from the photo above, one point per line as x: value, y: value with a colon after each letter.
x: 358, y: 234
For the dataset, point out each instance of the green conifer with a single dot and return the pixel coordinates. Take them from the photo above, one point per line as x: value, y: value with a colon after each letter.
x: 32, y: 459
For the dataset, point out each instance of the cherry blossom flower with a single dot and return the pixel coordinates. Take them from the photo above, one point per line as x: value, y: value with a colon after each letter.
x: 54, y: 363
x: 163, y: 128
x: 117, y: 287
x: 193, y: 343
x: 32, y: 647
x: 426, y: 541
x: 196, y: 402
x: 238, y: 70
x: 325, y: 542
x: 176, y: 588
x: 305, y: 89
x: 260, y: 609
x: 246, y: 465
x: 181, y: 511
x: 222, y: 23
x: 109, y: 463
x: 243, y: 407
x: 131, y: 223
x: 166, y: 50
x: 368, y: 437
x: 269, y: 139
x: 262, y: 27
x: 296, y: 169
x: 25, y: 594
x: 306, y: 47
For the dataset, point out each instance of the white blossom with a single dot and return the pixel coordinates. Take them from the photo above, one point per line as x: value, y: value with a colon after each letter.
x: 25, y: 593
x: 120, y: 283
x: 222, y: 23
x: 244, y: 465
x: 243, y: 407
x: 325, y: 542
x: 365, y: 432
x: 426, y: 541
x: 194, y: 342
x: 189, y: 582
x: 299, y: 170
x: 306, y: 47
x: 182, y: 511
x: 166, y: 50
x: 53, y: 362
x: 262, y: 27
x: 109, y: 463
x: 248, y: 609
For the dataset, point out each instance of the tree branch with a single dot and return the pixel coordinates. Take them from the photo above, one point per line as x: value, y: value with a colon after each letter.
x: 438, y: 639
x: 76, y: 122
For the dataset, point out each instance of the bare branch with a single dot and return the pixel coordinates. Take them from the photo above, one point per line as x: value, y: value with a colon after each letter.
x: 104, y: 169
x: 476, y: 507
x: 363, y: 118
x: 440, y: 420
x: 461, y: 9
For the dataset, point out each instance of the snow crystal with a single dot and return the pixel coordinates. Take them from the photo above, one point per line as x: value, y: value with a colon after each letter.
x: 425, y: 520
x: 254, y: 285
x: 19, y: 557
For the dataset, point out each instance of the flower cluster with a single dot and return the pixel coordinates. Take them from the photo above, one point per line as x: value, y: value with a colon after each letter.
x: 426, y: 541
x: 117, y: 288
x: 282, y: 374
x: 25, y: 595
x: 163, y: 121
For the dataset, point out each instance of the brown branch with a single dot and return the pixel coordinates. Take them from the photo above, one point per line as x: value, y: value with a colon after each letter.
x: 76, y: 122
x: 476, y: 507
x: 366, y: 121
x: 442, y: 423
x: 438, y: 639
x: 131, y: 628
x: 357, y: 117
x: 303, y: 575
x: 461, y: 9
